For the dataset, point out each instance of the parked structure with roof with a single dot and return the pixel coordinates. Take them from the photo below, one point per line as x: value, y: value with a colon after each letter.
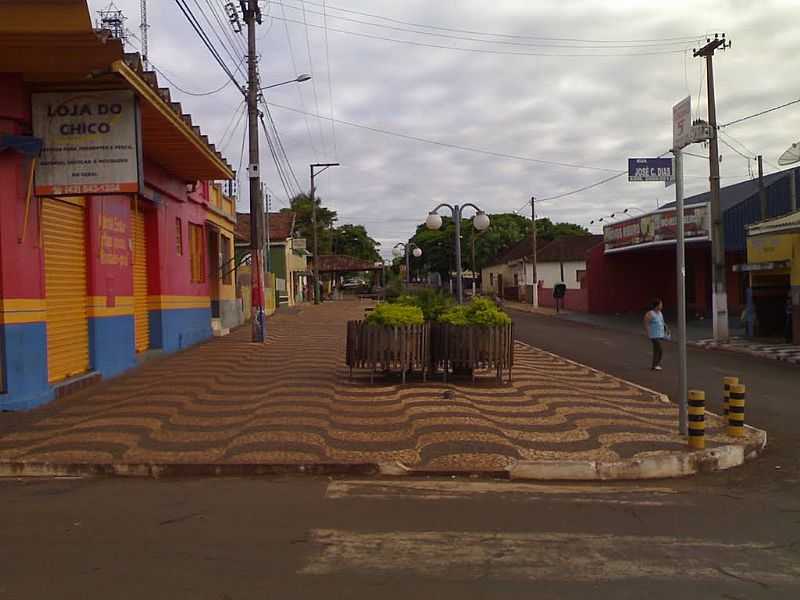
x: 637, y: 261
x: 103, y: 258
x: 288, y: 256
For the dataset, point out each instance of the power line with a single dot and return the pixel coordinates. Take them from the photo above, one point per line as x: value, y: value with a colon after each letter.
x: 330, y: 81
x: 229, y: 50
x: 297, y: 87
x: 311, y: 70
x: 500, y: 42
x: 187, y: 92
x: 758, y: 114
x: 280, y: 143
x: 507, y: 35
x: 278, y: 165
x: 489, y: 50
x: 187, y: 12
x: 241, y: 111
x: 446, y: 144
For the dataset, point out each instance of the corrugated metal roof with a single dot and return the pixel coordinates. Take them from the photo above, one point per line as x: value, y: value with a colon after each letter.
x: 790, y: 222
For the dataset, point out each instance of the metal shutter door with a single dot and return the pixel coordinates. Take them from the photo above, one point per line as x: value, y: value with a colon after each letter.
x: 140, y: 312
x: 63, y: 229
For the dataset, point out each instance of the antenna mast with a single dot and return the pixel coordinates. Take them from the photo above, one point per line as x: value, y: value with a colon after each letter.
x: 143, y: 27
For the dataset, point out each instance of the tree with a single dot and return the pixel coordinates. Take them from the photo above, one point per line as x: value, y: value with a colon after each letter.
x: 506, y: 230
x: 302, y: 207
x: 353, y: 240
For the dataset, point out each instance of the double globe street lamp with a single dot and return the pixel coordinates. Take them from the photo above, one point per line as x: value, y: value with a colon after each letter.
x: 400, y: 249
x: 480, y: 222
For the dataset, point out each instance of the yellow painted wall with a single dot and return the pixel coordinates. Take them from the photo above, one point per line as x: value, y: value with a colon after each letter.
x: 776, y: 247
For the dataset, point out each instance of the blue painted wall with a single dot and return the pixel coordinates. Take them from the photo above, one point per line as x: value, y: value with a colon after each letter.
x: 25, y: 366
x: 176, y: 329
x: 112, y: 343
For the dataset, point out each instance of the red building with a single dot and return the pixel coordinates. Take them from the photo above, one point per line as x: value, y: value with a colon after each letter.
x: 94, y: 274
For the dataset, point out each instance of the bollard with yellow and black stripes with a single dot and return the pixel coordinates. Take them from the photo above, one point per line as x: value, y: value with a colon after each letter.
x: 736, y: 410
x: 697, y: 419
x: 726, y: 395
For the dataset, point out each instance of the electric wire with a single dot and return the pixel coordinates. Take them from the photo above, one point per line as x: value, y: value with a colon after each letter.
x: 278, y: 166
x: 299, y: 91
x: 236, y: 41
x: 758, y: 114
x: 311, y: 72
x: 508, y: 35
x: 230, y: 51
x: 241, y: 110
x: 195, y: 24
x: 224, y: 86
x: 280, y: 144
x: 499, y: 42
x: 490, y: 50
x: 330, y: 81
x: 445, y: 144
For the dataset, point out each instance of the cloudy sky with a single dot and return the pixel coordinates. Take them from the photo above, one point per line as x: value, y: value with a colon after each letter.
x: 557, y: 97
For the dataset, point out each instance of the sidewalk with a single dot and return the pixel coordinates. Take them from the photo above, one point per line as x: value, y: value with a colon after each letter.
x: 290, y: 402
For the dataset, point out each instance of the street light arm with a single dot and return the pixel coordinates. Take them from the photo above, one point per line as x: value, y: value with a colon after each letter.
x: 471, y: 205
x: 444, y: 205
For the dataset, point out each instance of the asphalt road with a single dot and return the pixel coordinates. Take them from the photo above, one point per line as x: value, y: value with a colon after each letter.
x: 732, y: 535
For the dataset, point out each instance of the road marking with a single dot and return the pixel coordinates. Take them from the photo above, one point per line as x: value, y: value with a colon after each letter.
x: 526, y: 492
x: 468, y: 555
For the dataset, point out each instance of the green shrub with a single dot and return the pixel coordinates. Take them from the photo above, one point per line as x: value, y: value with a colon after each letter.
x: 433, y: 303
x: 395, y: 315
x: 480, y: 311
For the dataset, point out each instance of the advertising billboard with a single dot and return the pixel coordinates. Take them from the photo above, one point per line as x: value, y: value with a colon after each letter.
x: 91, y: 143
x: 657, y: 228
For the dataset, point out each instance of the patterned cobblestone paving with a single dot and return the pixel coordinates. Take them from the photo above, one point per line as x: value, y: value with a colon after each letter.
x: 291, y: 401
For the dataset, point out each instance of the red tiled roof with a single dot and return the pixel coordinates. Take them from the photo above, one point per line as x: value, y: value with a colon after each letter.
x: 341, y: 263
x: 281, y: 226
x: 518, y: 250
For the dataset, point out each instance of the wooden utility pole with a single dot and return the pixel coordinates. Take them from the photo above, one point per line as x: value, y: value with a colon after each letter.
x: 535, y: 287
x: 252, y: 15
x: 762, y: 192
x: 719, y: 299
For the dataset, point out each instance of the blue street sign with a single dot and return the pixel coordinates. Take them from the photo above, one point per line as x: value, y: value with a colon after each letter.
x: 650, y: 169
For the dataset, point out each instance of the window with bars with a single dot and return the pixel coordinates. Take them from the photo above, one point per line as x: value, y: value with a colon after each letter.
x: 178, y: 236
x: 197, y: 253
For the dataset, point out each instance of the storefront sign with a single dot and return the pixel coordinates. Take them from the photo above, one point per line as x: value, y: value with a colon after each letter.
x: 91, y: 143
x: 649, y: 169
x: 682, y: 123
x: 657, y: 228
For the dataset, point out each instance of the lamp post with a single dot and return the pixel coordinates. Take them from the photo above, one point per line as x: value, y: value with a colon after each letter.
x: 480, y: 222
x: 322, y: 167
x: 407, y: 249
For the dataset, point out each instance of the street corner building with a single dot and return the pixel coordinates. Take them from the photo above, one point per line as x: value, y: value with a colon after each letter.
x: 116, y: 237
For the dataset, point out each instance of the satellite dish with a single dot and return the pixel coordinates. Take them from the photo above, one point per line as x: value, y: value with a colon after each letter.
x: 792, y: 155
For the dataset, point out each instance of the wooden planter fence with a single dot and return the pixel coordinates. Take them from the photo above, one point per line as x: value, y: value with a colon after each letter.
x: 378, y: 347
x: 472, y: 347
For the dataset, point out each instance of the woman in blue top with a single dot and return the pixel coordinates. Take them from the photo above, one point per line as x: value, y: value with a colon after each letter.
x: 656, y: 330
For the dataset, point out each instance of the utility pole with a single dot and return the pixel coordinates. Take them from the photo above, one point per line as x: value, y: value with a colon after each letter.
x: 266, y: 233
x: 535, y: 293
x: 683, y: 385
x: 322, y: 167
x: 762, y: 192
x: 252, y: 15
x: 719, y: 298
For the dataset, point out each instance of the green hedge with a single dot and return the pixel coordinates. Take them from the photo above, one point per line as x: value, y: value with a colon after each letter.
x: 395, y: 315
x: 480, y: 311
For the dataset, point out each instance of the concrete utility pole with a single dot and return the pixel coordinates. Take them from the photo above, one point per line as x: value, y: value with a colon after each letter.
x: 683, y: 420
x: 535, y: 293
x: 719, y: 298
x: 322, y: 167
x: 252, y: 15
x: 762, y: 192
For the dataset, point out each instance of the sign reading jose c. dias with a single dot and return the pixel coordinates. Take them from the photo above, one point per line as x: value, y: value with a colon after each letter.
x: 91, y: 143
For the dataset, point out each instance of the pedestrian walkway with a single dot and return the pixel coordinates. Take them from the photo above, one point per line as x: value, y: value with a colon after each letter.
x: 784, y: 352
x: 290, y: 401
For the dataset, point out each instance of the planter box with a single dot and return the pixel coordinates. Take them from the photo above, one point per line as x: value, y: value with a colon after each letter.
x: 377, y: 347
x: 472, y: 347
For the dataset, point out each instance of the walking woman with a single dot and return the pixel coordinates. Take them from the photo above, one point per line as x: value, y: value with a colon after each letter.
x: 656, y: 330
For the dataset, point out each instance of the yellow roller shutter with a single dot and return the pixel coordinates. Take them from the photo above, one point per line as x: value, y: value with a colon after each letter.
x: 141, y: 314
x: 63, y: 231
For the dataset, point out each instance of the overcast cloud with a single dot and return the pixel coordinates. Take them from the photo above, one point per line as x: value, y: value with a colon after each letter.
x: 591, y: 110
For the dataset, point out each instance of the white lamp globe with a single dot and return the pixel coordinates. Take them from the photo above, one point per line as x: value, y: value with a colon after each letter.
x: 481, y: 221
x: 396, y: 252
x: 434, y: 221
x: 417, y: 252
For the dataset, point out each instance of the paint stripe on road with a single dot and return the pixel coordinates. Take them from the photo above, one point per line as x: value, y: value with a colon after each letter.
x: 519, y: 492
x: 468, y: 555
